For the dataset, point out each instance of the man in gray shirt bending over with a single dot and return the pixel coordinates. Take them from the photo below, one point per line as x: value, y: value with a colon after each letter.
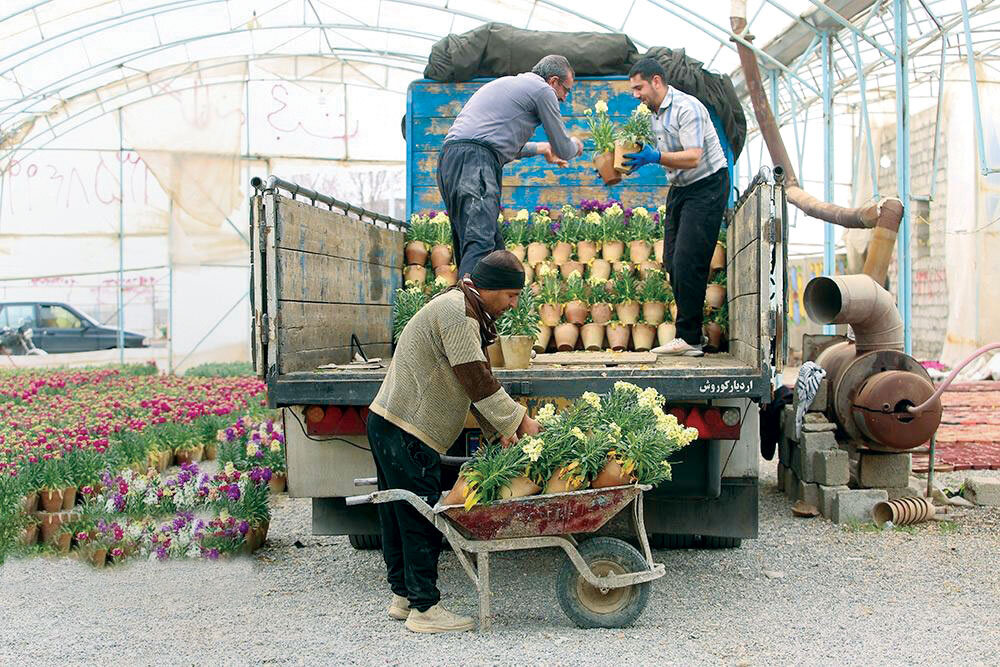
x: 492, y: 129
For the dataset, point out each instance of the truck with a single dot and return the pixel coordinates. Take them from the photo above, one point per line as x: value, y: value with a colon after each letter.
x: 325, y: 271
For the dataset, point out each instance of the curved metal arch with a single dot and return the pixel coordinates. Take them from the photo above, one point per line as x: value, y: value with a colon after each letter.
x: 108, y: 102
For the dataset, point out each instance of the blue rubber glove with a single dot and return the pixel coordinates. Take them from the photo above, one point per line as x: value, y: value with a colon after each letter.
x: 648, y: 155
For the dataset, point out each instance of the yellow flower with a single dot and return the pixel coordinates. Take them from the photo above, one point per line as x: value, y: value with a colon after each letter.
x: 500, y: 218
x: 532, y: 447
x: 230, y: 468
x: 441, y: 281
x: 642, y: 110
x: 596, y: 280
x: 522, y: 214
x: 546, y: 414
x: 690, y: 434
x: 661, y: 209
x: 543, y: 269
x: 626, y: 386
x: 614, y: 209
x: 601, y: 106
x: 224, y: 515
x: 575, y: 272
x: 587, y: 112
x: 275, y: 446
x: 251, y: 449
x: 441, y: 219
x: 578, y: 434
x: 639, y: 210
x: 593, y: 218
x: 592, y: 399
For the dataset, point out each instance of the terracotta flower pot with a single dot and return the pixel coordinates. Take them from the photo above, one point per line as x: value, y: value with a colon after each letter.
x: 541, y: 268
x: 550, y: 313
x: 593, y: 336
x: 457, y: 494
x: 628, y: 312
x: 601, y: 313
x: 612, y: 250
x: 542, y: 339
x: 516, y: 351
x: 29, y: 535
x: 665, y: 333
x: 415, y: 252
x: 62, y: 542
x: 98, y: 557
x: 518, y: 251
x: 601, y: 269
x: 658, y: 251
x: 495, y: 354
x: 586, y: 250
x: 718, y: 258
x: 164, y: 459
x: 518, y: 488
x: 277, y: 482
x: 569, y: 266
x: 51, y: 523
x: 618, y: 336
x: 561, y: 252
x: 638, y: 251
x: 576, y: 312
x: 51, y: 500
x: 621, y: 148
x: 643, y: 337
x: 715, y: 295
x: 714, y: 333
x: 529, y: 273
x: 211, y: 452
x: 69, y: 497
x: 559, y: 484
x: 30, y: 503
x: 654, y: 312
x: 612, y: 474
x: 618, y: 267
x: 440, y: 255
x: 566, y: 336
x: 189, y: 454
x: 449, y: 272
x: 415, y: 273
x: 605, y: 165
x: 647, y: 267
x: 537, y: 252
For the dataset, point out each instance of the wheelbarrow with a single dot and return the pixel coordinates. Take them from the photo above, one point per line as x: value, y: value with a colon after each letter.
x: 604, y: 583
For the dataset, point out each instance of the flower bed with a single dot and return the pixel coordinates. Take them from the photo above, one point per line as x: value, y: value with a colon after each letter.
x: 596, y: 270
x: 83, y: 455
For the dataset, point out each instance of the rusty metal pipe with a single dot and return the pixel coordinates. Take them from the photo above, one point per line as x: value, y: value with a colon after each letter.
x: 861, y: 302
x: 861, y: 217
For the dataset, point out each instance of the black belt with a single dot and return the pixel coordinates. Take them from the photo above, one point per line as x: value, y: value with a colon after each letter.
x: 476, y: 142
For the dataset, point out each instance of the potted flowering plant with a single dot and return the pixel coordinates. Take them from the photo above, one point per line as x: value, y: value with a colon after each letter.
x: 633, y: 135
x: 716, y: 322
x: 404, y: 306
x: 643, y: 336
x: 54, y: 478
x: 602, y: 131
x: 600, y: 301
x: 588, y: 233
x: 626, y: 296
x: 550, y: 296
x: 575, y: 297
x: 653, y: 295
x: 719, y: 255
x: 518, y: 328
x: 419, y: 237
x: 613, y: 233
x: 715, y: 293
x: 440, y: 234
x: 641, y: 233
x: 495, y: 472
x: 619, y: 334
x: 659, y: 217
x: 515, y: 235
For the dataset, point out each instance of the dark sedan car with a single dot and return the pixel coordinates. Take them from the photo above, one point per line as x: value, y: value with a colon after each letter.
x: 59, y: 327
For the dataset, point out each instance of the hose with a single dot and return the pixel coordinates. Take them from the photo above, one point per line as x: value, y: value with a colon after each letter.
x: 917, y: 409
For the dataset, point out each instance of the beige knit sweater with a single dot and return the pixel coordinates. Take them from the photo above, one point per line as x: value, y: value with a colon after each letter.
x: 438, y: 372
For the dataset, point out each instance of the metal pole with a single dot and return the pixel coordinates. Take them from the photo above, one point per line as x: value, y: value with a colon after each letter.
x: 930, y: 467
x: 937, y: 120
x: 980, y: 141
x: 170, y: 288
x: 828, y: 239
x: 905, y: 271
x: 862, y: 89
x: 121, y: 240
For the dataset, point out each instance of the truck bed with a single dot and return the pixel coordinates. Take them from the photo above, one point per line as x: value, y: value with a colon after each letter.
x: 678, y: 378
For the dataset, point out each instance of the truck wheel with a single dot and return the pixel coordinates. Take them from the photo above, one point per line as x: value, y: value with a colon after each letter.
x: 589, y: 607
x: 365, y: 542
x: 715, y: 542
x: 669, y: 541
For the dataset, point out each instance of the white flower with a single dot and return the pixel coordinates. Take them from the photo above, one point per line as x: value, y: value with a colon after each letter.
x: 532, y: 447
x: 588, y: 112
x: 690, y: 435
x: 575, y: 272
x: 592, y: 399
x: 642, y: 110
x: 601, y: 106
x: 596, y: 280
x: 614, y: 209
x: 500, y: 218
x: 640, y: 211
x: 626, y: 386
x: 650, y: 398
x: 441, y: 281
x: 441, y: 219
x: 547, y: 414
x: 593, y: 218
x: 578, y: 434
x: 522, y: 214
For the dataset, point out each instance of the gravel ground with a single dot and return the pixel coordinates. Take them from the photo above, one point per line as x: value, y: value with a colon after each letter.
x: 806, y: 591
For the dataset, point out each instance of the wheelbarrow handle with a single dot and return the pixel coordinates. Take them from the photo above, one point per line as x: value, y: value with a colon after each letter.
x: 359, y: 500
x: 365, y: 481
x: 454, y: 460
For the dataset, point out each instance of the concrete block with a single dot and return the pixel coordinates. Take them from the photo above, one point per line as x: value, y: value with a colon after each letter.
x: 819, y: 441
x: 818, y: 427
x: 781, y: 478
x: 788, y: 422
x: 809, y: 493
x: 819, y: 401
x: 856, y: 504
x: 791, y: 484
x: 827, y: 494
x: 802, y: 462
x: 878, y: 470
x: 785, y: 446
x: 831, y: 467
x: 897, y: 492
x: 982, y: 491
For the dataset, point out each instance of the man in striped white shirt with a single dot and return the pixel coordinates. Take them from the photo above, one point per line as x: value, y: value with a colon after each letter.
x: 688, y: 147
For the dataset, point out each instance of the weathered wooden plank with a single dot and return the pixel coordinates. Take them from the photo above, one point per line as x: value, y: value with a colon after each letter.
x: 257, y: 301
x: 595, y: 358
x: 536, y: 171
x: 305, y: 276
x: 303, y: 327
x: 529, y: 196
x: 429, y: 133
x: 308, y: 360
x: 447, y: 99
x: 301, y: 226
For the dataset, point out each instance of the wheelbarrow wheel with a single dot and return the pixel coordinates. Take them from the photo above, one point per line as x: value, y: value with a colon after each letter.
x: 589, y: 607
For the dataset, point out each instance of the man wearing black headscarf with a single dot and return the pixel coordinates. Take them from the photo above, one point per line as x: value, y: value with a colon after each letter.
x: 439, y: 372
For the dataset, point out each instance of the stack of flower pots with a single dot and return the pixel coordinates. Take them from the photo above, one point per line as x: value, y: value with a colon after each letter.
x: 716, y: 319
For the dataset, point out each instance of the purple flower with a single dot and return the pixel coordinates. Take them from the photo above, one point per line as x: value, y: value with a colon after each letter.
x: 244, y: 527
x: 233, y: 492
x: 656, y: 217
x: 213, y: 554
x: 119, y: 501
x: 258, y: 454
x: 230, y: 434
x: 161, y: 552
x: 279, y: 437
x: 554, y: 227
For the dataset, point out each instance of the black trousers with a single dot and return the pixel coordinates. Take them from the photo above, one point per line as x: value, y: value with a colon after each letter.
x: 468, y: 177
x: 693, y: 220
x: 410, y: 544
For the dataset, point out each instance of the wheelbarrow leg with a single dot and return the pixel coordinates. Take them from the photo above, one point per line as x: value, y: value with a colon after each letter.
x: 483, y: 582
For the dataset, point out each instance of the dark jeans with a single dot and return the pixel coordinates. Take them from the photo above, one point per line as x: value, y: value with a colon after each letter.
x: 468, y: 178
x: 410, y: 544
x: 694, y: 216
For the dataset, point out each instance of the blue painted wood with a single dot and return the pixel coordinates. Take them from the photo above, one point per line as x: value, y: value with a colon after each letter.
x: 530, y: 196
x: 410, y: 148
x: 429, y: 133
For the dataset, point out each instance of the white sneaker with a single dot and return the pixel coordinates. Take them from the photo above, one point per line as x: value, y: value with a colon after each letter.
x: 399, y: 608
x: 438, y: 619
x: 679, y: 347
